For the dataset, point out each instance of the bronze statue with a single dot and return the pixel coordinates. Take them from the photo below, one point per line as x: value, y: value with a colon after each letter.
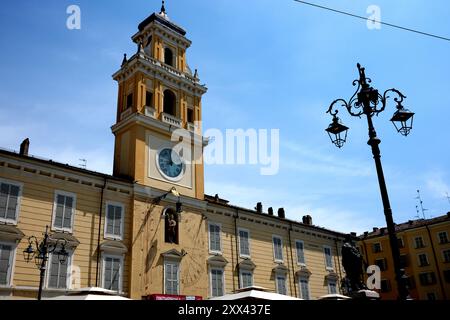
x: 353, y: 263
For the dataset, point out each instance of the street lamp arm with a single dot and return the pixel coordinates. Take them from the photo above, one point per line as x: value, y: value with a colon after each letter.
x: 351, y: 107
x: 384, y: 99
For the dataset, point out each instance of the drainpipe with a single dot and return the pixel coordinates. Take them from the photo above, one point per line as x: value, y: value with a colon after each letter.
x: 236, y: 216
x: 292, y: 261
x: 436, y: 262
x: 339, y: 260
x: 99, y: 230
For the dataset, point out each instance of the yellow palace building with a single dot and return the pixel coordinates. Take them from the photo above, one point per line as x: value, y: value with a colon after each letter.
x: 148, y: 231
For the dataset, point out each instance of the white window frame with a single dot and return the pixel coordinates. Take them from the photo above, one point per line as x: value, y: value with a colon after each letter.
x: 220, y: 238
x: 240, y: 277
x: 121, y: 273
x: 167, y: 261
x: 74, y: 210
x: 296, y: 252
x: 69, y: 271
x: 419, y: 262
x: 239, y: 243
x: 415, y: 242
x: 211, y: 269
x: 439, y: 237
x: 330, y: 281
x: 273, y: 248
x: 300, y: 287
x: 285, y: 285
x: 113, y: 236
x: 12, y: 264
x: 329, y: 268
x: 19, y: 201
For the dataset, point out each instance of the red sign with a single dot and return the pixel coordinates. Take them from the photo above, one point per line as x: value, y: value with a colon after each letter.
x: 171, y: 297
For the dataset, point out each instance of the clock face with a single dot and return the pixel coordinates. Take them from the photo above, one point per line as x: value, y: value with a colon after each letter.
x: 170, y: 164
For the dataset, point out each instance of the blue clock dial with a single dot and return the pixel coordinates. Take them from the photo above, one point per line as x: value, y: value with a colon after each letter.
x: 170, y: 163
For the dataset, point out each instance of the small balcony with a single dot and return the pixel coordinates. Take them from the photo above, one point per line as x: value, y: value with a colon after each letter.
x: 169, y: 119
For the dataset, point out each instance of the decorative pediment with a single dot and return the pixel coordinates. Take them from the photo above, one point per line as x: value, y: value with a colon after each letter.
x: 280, y: 268
x: 332, y: 276
x: 217, y: 261
x: 72, y: 242
x: 247, y: 264
x: 10, y: 233
x: 111, y: 246
x: 173, y: 254
x: 303, y: 272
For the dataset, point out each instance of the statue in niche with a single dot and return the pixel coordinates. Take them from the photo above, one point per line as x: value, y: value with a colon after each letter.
x: 171, y: 226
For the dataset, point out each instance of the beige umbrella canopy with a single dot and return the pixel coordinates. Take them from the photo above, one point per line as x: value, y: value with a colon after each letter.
x: 90, y: 294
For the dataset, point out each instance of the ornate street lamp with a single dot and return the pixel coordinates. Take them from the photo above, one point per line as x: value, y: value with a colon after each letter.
x: 368, y: 101
x: 40, y: 252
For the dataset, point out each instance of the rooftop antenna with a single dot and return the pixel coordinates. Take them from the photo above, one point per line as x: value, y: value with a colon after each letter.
x: 83, y: 163
x: 448, y: 197
x: 421, y: 204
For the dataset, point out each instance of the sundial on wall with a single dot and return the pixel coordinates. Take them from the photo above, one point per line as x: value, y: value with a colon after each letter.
x: 194, y: 262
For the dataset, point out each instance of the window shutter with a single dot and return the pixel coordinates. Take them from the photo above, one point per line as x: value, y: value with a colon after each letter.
x: 68, y: 212
x: 115, y: 274
x: 5, y: 254
x: 108, y: 273
x: 12, y: 203
x: 59, y: 211
x: 54, y: 272
x: 117, y: 221
x: 3, y: 199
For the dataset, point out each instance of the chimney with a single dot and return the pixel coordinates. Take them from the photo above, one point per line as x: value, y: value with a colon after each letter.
x: 375, y: 229
x: 307, y: 220
x: 353, y: 234
x: 270, y: 211
x: 366, y: 234
x: 259, y: 208
x: 281, y: 213
x: 24, y: 146
x: 382, y: 230
x: 448, y: 214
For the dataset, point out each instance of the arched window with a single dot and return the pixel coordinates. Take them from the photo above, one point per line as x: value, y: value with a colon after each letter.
x: 168, y: 57
x: 170, y: 101
x: 171, y: 226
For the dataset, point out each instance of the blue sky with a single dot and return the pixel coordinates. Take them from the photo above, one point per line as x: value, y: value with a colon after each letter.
x: 268, y: 64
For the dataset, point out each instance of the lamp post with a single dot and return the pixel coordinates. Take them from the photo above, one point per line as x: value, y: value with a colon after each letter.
x: 369, y: 102
x: 40, y: 252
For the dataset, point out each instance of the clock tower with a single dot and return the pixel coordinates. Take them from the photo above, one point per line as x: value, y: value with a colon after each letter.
x: 159, y: 97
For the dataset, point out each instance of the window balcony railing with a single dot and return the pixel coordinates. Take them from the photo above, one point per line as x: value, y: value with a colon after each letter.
x: 169, y: 119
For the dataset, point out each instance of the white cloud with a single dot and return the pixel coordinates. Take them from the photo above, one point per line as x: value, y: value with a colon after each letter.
x: 436, y: 184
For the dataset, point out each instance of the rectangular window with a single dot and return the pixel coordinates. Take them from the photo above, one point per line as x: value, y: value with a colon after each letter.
x: 332, y: 287
x: 63, y: 211
x: 410, y: 282
x: 58, y: 277
x: 129, y: 101
x: 431, y: 296
x: 382, y: 263
x: 277, y: 248
x: 446, y: 254
x: 217, y: 287
x: 6, y: 258
x: 112, y: 273
x: 401, y: 244
x: 281, y: 284
x: 423, y: 260
x: 304, y: 288
x: 419, y: 242
x: 9, y: 202
x: 300, y: 247
x: 447, y: 276
x: 427, y: 278
x: 148, y: 98
x: 244, y: 243
x: 403, y: 260
x: 114, y: 220
x: 215, y: 245
x: 328, y: 258
x: 246, y: 279
x: 171, y: 278
x: 190, y: 115
x: 443, y: 237
x: 385, y: 285
x: 376, y: 247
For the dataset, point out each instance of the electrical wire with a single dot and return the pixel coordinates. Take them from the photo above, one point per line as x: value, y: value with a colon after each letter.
x: 373, y: 20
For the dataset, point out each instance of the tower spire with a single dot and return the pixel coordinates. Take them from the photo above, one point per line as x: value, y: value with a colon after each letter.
x: 163, y: 8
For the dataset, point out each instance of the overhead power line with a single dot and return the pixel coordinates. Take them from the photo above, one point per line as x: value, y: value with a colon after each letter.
x: 373, y: 20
